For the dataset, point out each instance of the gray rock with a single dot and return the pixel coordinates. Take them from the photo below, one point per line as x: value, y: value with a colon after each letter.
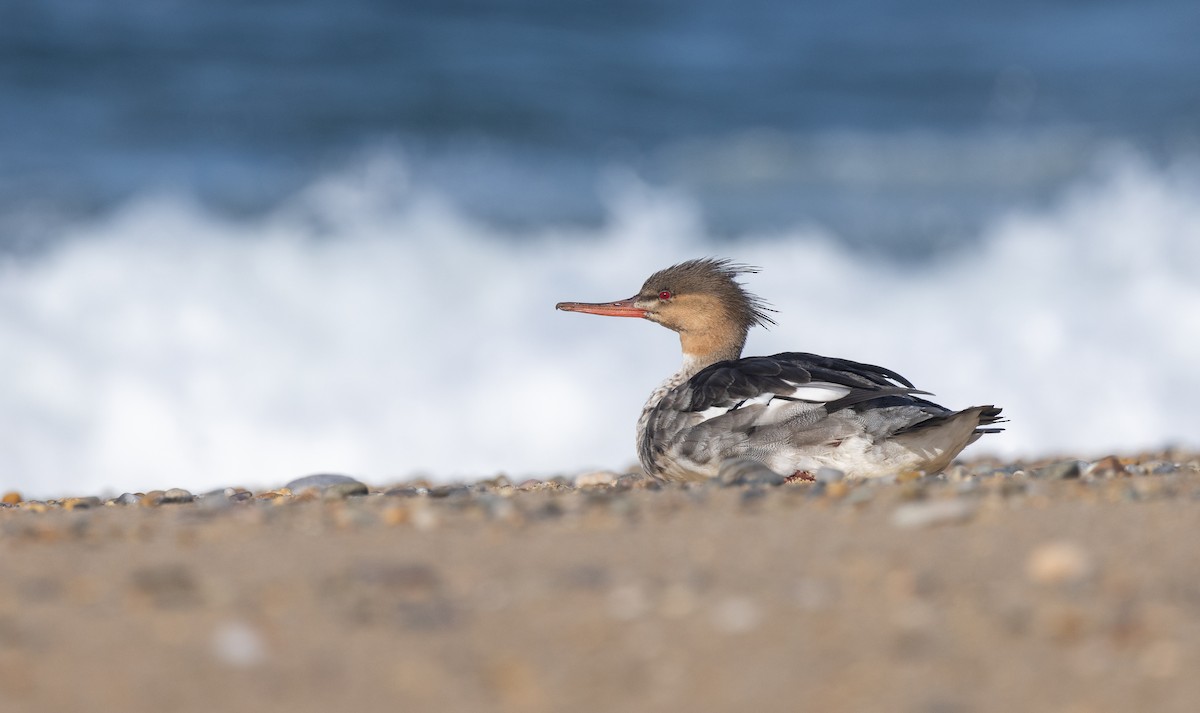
x: 127, y: 499
x: 340, y: 491
x: 177, y: 495
x: 1061, y: 470
x: 445, y: 491
x: 217, y: 499
x: 321, y: 481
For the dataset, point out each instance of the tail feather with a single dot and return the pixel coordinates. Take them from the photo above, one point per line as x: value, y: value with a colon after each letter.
x: 985, y: 415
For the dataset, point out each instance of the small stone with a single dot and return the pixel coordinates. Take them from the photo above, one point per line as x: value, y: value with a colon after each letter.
x: 127, y: 499
x: 747, y: 471
x: 216, y: 499
x: 445, y: 491
x: 1058, y: 562
x: 152, y: 498
x: 829, y: 475
x: 12, y: 497
x: 933, y: 512
x: 406, y: 491
x: 341, y: 491
x: 320, y: 481
x: 1106, y: 468
x: 82, y: 503
x: 500, y: 482
x: 177, y: 495
x: 598, y: 478
x: 1062, y: 470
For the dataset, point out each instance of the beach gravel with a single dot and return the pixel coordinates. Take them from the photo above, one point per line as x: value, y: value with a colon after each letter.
x: 1068, y: 584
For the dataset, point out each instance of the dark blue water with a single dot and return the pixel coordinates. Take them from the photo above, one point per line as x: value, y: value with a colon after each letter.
x: 897, y: 125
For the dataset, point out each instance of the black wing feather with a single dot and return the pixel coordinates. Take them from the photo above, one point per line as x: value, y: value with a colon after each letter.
x: 729, y: 382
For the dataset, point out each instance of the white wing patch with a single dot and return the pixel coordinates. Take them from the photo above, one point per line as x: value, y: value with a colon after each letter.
x: 814, y: 393
x: 817, y: 392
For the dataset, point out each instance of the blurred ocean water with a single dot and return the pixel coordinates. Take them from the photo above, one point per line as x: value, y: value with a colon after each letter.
x: 244, y: 241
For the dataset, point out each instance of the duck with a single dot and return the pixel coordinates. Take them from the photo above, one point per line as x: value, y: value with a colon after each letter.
x: 792, y: 414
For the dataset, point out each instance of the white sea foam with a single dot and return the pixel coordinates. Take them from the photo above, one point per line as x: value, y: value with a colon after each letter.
x: 370, y: 328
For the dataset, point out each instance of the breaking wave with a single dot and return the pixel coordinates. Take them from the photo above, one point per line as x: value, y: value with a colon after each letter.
x: 369, y: 326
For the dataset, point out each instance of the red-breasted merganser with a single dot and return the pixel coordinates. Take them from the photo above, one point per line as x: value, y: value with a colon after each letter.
x: 794, y: 413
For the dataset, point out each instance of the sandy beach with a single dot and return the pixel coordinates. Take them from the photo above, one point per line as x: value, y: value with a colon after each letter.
x: 1060, y: 585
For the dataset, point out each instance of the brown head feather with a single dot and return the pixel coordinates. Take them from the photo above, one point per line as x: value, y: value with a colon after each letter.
x: 716, y: 277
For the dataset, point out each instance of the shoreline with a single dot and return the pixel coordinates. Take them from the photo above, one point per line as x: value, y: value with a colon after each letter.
x: 1059, y: 586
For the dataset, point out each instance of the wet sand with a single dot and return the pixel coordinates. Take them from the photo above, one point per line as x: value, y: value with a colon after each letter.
x: 1052, y: 586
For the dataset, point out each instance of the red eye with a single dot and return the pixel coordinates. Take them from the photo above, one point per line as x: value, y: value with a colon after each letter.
x: 664, y: 295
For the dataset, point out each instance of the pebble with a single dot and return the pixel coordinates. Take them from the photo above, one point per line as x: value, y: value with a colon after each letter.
x: 321, y: 481
x: 11, y: 498
x: 82, y: 503
x: 406, y: 491
x: 598, y: 478
x: 500, y: 482
x: 341, y: 491
x: 1059, y: 562
x: 1107, y: 467
x: 177, y: 495
x: 217, y: 499
x: 445, y: 491
x: 127, y: 499
x: 933, y: 512
x: 1062, y: 470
